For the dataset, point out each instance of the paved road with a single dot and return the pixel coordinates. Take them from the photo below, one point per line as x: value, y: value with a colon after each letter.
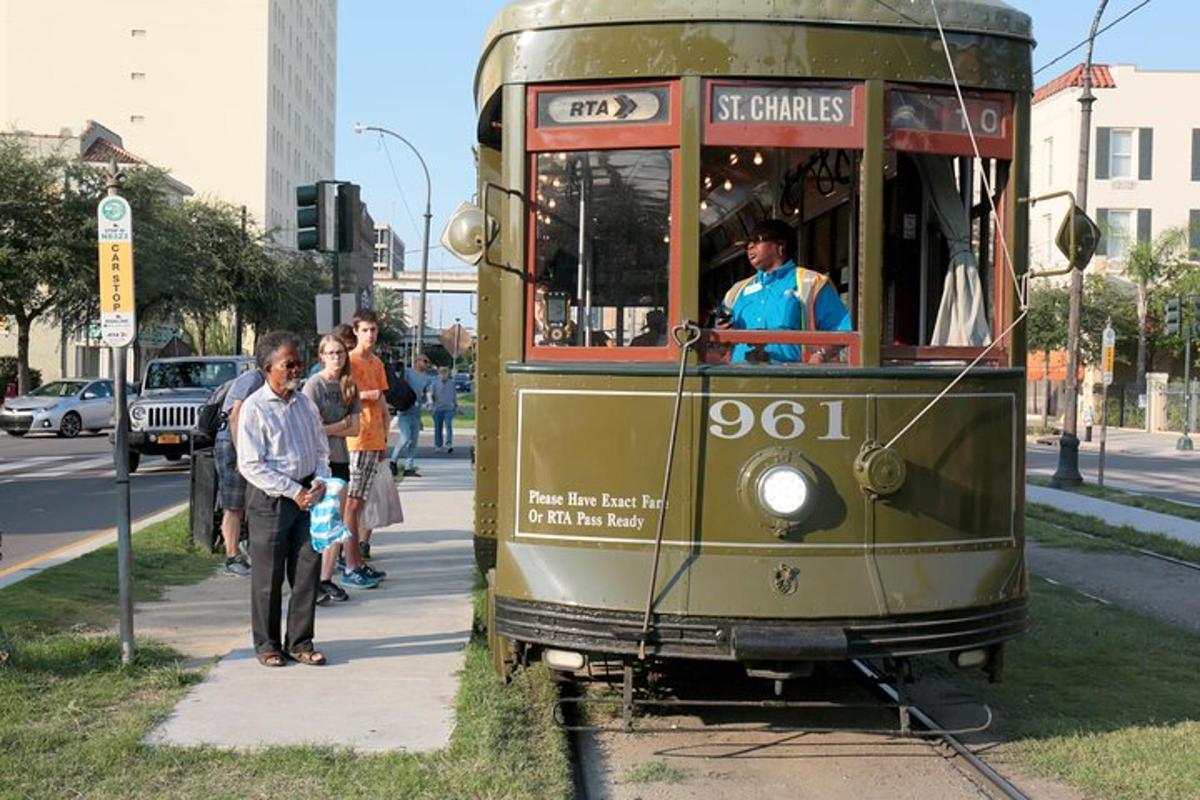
x: 1156, y: 470
x: 55, y: 492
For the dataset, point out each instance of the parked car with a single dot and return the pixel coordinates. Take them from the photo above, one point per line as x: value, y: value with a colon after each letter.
x: 64, y: 407
x: 163, y: 418
x: 462, y: 382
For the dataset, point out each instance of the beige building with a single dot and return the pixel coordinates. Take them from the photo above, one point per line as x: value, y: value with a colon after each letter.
x: 1144, y: 170
x: 236, y: 96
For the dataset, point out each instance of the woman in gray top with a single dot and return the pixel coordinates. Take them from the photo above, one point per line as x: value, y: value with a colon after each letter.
x: 336, y: 397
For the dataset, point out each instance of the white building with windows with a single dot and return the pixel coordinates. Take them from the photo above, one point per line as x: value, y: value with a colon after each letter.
x: 236, y: 95
x: 1144, y: 171
x: 389, y: 251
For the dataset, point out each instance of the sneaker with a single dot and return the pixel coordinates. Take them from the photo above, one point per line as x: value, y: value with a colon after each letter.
x: 332, y: 592
x: 323, y: 594
x: 449, y: 449
x: 395, y: 469
x: 237, y: 566
x: 371, y: 572
x: 411, y: 472
x: 358, y: 578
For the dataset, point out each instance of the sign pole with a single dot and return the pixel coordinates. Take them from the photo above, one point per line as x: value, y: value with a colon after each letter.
x: 117, y: 329
x: 1185, y: 441
x: 1107, y: 359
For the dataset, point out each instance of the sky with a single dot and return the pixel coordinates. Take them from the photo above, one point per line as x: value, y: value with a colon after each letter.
x: 410, y: 67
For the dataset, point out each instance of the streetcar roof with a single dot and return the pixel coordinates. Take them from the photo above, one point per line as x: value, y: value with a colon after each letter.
x: 990, y: 17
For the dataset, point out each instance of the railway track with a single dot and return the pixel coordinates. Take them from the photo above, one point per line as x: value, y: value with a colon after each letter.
x: 818, y: 748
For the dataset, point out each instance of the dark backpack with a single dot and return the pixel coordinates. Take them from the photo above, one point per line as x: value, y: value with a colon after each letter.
x: 400, y: 396
x: 211, y: 418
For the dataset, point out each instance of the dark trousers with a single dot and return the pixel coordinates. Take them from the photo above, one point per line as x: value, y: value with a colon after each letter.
x: 279, y: 546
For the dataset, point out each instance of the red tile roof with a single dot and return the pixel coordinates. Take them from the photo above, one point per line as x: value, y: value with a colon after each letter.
x: 1073, y: 78
x: 104, y: 151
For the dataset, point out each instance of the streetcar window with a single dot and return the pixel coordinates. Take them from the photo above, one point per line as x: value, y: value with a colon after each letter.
x: 814, y: 190
x: 939, y: 252
x: 602, y: 252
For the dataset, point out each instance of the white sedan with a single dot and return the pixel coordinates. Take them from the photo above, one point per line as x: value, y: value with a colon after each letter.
x: 63, y: 407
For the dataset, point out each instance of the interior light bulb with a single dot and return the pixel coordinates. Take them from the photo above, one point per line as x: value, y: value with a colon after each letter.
x: 553, y: 203
x: 707, y: 182
x: 733, y: 159
x: 728, y: 185
x: 704, y: 205
x: 758, y: 159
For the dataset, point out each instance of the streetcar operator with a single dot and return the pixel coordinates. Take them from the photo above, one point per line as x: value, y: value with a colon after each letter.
x: 781, y: 296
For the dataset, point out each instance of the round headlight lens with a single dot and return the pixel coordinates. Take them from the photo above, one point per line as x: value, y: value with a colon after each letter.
x: 137, y: 412
x: 784, y: 491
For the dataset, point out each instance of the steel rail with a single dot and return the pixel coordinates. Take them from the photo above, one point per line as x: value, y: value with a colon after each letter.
x: 975, y: 762
x: 1179, y: 562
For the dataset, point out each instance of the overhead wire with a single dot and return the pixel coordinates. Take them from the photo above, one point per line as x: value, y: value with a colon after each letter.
x: 1059, y: 58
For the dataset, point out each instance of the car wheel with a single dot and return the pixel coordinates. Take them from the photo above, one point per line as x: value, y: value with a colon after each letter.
x: 70, y: 426
x: 173, y: 456
x: 18, y: 434
x: 135, y: 458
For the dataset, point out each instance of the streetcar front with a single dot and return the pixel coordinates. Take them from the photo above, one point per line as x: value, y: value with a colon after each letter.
x: 654, y: 483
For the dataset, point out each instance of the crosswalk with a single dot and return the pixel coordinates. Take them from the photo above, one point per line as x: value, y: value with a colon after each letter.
x: 75, y: 466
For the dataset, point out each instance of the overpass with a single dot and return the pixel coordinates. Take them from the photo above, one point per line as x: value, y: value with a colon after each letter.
x: 455, y: 282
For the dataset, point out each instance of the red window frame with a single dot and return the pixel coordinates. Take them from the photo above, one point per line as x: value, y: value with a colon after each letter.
x: 959, y: 144
x: 633, y: 136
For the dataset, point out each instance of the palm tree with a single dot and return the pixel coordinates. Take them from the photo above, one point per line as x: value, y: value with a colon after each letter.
x: 1149, y: 264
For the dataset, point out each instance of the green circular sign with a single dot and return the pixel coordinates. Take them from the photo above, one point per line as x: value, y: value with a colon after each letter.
x: 113, y: 209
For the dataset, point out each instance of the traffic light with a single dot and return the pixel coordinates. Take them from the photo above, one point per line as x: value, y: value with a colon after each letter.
x: 1172, y: 317
x: 1195, y: 302
x: 349, y: 215
x: 316, y: 219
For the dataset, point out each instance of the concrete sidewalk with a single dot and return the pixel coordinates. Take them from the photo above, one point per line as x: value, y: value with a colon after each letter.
x: 394, y: 652
x: 1117, y: 514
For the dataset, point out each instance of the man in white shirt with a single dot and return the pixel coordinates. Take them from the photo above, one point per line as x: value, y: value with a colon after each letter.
x: 283, y: 454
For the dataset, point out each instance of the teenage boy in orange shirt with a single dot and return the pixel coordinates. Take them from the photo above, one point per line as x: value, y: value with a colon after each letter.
x: 368, y: 448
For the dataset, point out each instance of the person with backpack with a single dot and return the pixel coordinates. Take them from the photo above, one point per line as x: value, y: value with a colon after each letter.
x: 781, y: 296
x: 408, y: 420
x: 232, y: 485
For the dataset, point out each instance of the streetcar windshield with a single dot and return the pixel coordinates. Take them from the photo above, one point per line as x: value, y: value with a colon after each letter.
x: 603, y: 248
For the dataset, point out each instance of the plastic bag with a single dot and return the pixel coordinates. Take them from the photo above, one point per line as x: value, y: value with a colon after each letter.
x: 383, y: 502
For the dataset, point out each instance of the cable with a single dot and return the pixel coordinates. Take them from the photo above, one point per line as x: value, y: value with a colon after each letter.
x: 1049, y: 64
x: 388, y: 153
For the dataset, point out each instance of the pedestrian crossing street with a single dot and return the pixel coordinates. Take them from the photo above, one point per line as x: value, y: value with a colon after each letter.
x: 46, y: 467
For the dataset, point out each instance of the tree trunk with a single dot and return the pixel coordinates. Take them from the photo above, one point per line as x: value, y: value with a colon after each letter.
x: 23, y: 325
x: 202, y: 335
x: 1142, y: 313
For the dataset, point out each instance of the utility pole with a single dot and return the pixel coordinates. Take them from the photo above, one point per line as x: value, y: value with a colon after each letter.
x: 1067, y: 473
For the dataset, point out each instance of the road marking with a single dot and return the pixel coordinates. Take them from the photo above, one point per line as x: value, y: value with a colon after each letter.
x: 84, y: 545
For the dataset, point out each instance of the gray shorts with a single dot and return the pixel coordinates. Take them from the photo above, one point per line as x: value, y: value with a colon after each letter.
x: 363, y: 464
x: 232, y: 484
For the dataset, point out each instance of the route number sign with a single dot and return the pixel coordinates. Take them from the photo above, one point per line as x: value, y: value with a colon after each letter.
x: 118, y: 323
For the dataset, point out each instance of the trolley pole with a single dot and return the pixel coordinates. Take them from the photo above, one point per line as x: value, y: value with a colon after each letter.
x: 118, y: 327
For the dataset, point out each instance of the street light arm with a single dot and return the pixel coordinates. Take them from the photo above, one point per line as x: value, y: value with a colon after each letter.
x: 360, y: 128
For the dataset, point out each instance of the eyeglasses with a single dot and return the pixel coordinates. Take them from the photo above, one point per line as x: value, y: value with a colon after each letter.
x: 290, y: 365
x: 341, y: 353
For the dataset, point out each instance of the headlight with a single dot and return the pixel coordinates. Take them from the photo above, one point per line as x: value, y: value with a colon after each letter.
x: 137, y: 412
x: 784, y: 491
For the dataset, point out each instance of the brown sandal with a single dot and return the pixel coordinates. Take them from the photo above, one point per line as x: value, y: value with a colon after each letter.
x: 313, y: 658
x: 271, y: 658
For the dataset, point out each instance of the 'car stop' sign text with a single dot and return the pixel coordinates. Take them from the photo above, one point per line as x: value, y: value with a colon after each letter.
x: 115, y: 226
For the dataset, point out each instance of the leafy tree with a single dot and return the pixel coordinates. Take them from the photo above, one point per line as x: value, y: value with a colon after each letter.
x: 389, y: 305
x: 1108, y: 300
x: 278, y: 292
x: 41, y: 264
x: 1149, y: 264
x: 1046, y: 328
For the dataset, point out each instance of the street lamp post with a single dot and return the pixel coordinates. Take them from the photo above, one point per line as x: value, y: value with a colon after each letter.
x: 1067, y: 473
x: 420, y: 343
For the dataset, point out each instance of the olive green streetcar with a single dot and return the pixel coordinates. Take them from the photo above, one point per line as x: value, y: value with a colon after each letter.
x: 820, y: 508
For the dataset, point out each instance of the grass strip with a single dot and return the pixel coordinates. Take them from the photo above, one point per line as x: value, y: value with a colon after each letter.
x: 1132, y: 537
x: 1144, y: 501
x: 72, y: 719
x: 1098, y: 697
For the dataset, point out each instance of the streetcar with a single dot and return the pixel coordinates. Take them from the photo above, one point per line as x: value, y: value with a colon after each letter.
x: 651, y: 484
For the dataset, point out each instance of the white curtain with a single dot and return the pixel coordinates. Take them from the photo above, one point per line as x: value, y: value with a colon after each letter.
x: 962, y: 317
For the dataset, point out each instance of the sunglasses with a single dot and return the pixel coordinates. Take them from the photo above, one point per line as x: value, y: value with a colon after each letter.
x: 290, y: 364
